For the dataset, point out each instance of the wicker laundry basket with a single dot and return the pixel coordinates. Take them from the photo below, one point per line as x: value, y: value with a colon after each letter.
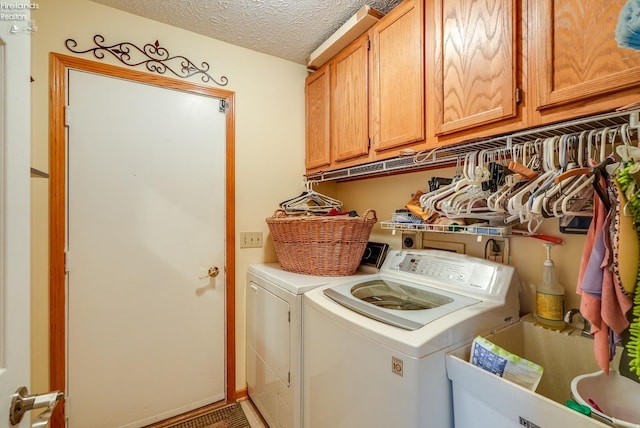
x: 321, y: 245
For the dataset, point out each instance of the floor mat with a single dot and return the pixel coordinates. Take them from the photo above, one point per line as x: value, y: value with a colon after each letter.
x: 228, y: 417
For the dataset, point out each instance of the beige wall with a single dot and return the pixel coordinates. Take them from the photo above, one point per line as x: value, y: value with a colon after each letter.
x: 269, y: 135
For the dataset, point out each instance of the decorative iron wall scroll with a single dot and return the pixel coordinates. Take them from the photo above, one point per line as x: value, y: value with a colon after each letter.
x: 153, y: 56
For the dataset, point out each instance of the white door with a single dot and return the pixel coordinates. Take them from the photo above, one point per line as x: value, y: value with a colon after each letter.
x: 146, y: 221
x: 14, y: 216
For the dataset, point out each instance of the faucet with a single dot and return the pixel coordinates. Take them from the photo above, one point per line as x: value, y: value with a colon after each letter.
x: 586, y: 328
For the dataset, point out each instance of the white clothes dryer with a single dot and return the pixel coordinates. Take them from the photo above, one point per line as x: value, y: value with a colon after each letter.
x: 374, y: 348
x: 274, y: 340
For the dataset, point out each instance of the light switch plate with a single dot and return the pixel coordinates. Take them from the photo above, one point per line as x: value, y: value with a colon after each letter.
x: 250, y: 239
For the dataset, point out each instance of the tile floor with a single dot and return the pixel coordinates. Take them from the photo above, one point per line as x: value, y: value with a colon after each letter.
x: 252, y: 414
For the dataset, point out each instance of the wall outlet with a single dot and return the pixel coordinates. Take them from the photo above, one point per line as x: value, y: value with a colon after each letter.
x: 250, y: 239
x: 497, y: 250
x: 411, y: 240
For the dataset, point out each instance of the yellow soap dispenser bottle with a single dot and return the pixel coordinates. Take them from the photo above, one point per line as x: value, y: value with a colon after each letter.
x: 550, y: 296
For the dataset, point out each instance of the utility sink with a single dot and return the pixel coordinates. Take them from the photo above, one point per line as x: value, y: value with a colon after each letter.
x: 614, y: 399
x: 482, y: 399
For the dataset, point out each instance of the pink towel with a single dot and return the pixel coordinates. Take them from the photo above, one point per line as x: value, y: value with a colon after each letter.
x: 598, y: 211
x: 590, y: 305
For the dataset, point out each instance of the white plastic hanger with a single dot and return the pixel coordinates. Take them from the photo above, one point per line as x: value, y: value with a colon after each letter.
x: 518, y: 201
x: 469, y: 198
x: 431, y: 201
x: 571, y: 179
x: 584, y: 191
x: 309, y: 202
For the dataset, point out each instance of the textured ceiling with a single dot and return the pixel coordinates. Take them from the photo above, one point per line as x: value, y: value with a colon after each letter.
x: 288, y: 29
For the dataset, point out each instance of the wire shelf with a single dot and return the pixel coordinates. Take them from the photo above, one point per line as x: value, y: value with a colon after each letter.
x: 448, y: 155
x: 442, y: 228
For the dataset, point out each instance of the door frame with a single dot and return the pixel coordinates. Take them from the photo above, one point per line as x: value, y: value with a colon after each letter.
x: 58, y: 66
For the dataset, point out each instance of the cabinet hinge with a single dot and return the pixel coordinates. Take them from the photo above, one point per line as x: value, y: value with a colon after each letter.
x: 289, y: 316
x: 518, y: 95
x: 66, y: 261
x: 368, y: 45
x: 289, y: 378
x: 369, y: 144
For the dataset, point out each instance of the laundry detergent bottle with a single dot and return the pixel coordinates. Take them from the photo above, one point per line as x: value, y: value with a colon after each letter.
x: 550, y: 296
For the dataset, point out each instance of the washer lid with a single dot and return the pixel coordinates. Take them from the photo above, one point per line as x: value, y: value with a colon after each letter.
x: 294, y: 283
x: 399, y: 304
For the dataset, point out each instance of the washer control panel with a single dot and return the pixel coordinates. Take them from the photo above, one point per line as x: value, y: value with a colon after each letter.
x: 456, y: 269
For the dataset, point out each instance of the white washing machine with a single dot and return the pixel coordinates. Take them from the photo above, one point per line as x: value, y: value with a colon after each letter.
x: 374, y: 348
x: 274, y: 340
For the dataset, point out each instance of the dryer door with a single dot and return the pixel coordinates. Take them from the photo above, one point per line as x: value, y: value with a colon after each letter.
x: 268, y: 333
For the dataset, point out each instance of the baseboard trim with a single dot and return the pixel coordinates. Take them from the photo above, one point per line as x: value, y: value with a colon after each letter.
x: 242, y: 394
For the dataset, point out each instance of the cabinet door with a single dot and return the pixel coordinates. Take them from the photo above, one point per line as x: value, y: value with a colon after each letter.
x: 578, y: 56
x: 349, y: 102
x: 475, y: 63
x: 397, y: 77
x: 317, y: 99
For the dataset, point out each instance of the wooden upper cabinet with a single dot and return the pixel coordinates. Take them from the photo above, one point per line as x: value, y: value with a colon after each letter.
x: 577, y: 54
x: 318, y: 121
x: 475, y: 64
x: 397, y: 77
x: 350, y: 102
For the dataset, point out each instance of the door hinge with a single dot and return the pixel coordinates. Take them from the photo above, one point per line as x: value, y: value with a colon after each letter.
x: 67, y: 111
x: 67, y: 407
x: 66, y: 261
x: 223, y: 106
x: 289, y: 316
x: 518, y: 95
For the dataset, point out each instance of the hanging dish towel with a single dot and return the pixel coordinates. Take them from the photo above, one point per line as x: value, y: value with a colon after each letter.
x: 628, y: 28
x: 590, y: 280
x: 620, y: 264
